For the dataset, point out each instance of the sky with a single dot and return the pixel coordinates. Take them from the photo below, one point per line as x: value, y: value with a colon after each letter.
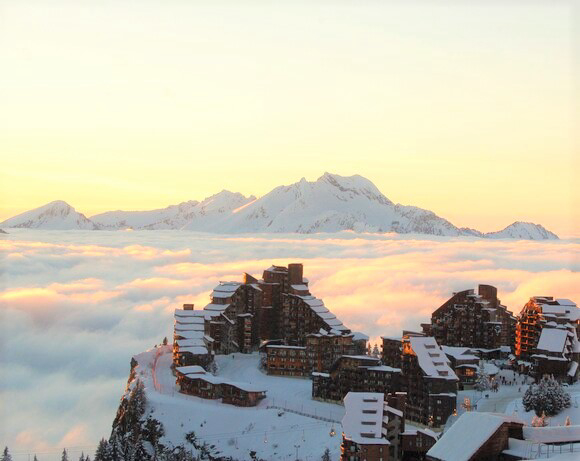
x: 464, y: 108
x: 75, y: 306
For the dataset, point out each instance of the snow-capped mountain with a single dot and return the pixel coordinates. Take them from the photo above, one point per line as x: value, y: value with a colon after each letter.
x: 523, y: 231
x: 192, y: 215
x: 54, y: 215
x: 172, y: 217
x: 332, y: 203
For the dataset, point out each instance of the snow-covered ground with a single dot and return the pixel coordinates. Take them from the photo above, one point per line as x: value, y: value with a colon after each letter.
x: 274, y: 434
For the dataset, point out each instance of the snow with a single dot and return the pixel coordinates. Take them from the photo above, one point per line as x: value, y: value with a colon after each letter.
x: 432, y: 360
x: 235, y: 431
x: 362, y: 422
x: 557, y: 434
x: 552, y: 340
x: 57, y: 215
x: 473, y: 429
x: 332, y: 203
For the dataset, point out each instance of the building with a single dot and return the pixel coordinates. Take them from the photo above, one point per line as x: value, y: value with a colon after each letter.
x: 542, y: 311
x: 191, y: 344
x: 391, y: 351
x: 355, y: 373
x: 476, y: 436
x: 371, y: 428
x: 473, y: 320
x: 194, y: 380
x: 286, y: 360
x: 557, y: 353
x: 415, y: 443
x: 428, y: 379
x: 465, y: 364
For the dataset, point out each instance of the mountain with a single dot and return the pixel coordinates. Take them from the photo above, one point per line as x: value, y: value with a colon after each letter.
x: 523, y: 231
x: 57, y: 215
x: 332, y: 203
x: 187, y: 215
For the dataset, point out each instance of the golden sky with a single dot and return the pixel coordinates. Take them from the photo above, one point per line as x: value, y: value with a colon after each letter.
x: 463, y: 108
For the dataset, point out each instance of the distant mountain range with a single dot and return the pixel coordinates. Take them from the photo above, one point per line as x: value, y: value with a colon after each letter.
x: 332, y: 203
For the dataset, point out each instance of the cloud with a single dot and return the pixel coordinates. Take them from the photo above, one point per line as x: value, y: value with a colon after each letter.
x: 75, y: 306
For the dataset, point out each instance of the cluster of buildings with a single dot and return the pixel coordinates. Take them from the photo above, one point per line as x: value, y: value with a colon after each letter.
x: 416, y: 376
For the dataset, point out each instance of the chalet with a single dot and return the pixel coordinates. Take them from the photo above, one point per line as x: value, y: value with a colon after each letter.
x: 472, y: 320
x: 556, y: 354
x: 194, y: 380
x: 428, y: 379
x: 371, y: 428
x: 355, y: 373
x: 464, y: 362
x: 476, y: 436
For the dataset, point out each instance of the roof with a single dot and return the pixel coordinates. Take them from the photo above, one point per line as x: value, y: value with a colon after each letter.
x: 459, y: 353
x: 552, y: 340
x: 363, y: 419
x: 432, y: 360
x: 552, y: 434
x: 384, y: 368
x: 473, y: 429
x: 358, y: 336
x: 191, y: 369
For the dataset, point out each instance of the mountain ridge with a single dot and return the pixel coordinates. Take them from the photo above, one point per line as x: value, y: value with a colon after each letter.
x: 332, y: 203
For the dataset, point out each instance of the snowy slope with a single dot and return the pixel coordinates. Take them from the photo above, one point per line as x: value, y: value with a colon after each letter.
x: 236, y: 431
x: 172, y: 217
x: 523, y: 231
x: 57, y: 215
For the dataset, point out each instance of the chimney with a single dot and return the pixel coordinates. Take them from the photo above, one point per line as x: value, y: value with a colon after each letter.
x: 188, y: 307
x: 295, y: 273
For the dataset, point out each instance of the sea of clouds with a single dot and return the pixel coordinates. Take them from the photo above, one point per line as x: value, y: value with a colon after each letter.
x: 76, y: 305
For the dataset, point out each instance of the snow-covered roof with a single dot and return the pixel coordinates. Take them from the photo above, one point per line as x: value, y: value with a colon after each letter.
x: 552, y: 340
x: 190, y: 334
x: 196, y: 350
x: 565, y: 302
x: 282, y: 346
x: 216, y: 307
x: 300, y: 287
x: 248, y: 387
x: 190, y: 370
x: 552, y: 434
x: 431, y: 358
x: 363, y: 419
x: 473, y: 429
x: 459, y: 353
x: 384, y: 368
x: 190, y: 342
x: 227, y: 287
x: 358, y: 336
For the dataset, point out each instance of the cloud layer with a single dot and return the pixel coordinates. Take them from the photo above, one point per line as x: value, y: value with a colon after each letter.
x: 75, y: 306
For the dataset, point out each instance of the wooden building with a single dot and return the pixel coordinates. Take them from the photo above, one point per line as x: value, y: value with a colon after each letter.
x: 472, y: 320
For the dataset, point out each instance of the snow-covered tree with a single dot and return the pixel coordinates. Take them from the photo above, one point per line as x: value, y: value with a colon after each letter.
x: 64, y: 456
x: 326, y: 455
x: 483, y: 383
x: 376, y: 351
x: 103, y: 452
x: 548, y: 396
x: 36, y: 459
x: 6, y: 455
x: 165, y: 341
x: 82, y: 456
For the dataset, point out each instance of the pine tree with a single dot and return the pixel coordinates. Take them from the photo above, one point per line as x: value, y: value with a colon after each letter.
x: 165, y: 341
x: 326, y: 455
x: 6, y: 455
x: 103, y: 452
x: 64, y: 456
x: 82, y: 457
x: 36, y: 459
x: 548, y: 396
x: 376, y: 351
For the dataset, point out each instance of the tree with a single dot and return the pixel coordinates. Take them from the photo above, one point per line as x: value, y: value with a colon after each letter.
x: 6, y: 455
x: 165, y: 341
x: 483, y: 383
x: 376, y: 351
x: 36, y: 459
x: 82, y: 457
x: 326, y: 455
x: 547, y: 397
x: 64, y: 456
x: 103, y: 452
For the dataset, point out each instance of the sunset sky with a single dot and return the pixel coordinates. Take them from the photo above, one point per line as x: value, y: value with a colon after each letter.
x: 464, y: 108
